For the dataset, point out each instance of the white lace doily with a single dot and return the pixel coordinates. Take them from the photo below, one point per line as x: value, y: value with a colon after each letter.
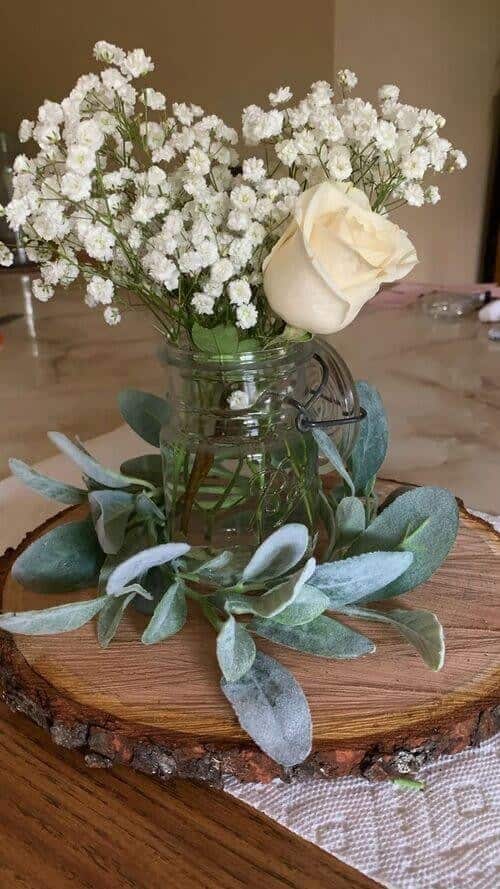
x: 444, y: 837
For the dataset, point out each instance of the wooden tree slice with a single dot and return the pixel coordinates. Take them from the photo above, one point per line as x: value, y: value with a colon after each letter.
x: 159, y: 708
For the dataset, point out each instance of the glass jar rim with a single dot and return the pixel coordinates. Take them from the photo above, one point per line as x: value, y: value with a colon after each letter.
x: 296, y: 352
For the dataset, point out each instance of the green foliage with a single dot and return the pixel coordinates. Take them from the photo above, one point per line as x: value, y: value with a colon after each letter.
x: 47, y: 487
x: 350, y: 580
x: 272, y: 708
x: 110, y: 511
x: 420, y: 628
x: 329, y: 449
x: 274, y: 600
x: 148, y: 467
x: 371, y: 444
x: 351, y: 520
x: 324, y: 637
x: 235, y: 650
x: 423, y: 521
x: 279, y: 553
x: 220, y: 340
x: 88, y: 464
x: 66, y: 558
x: 110, y: 616
x: 48, y: 621
x: 145, y: 413
x: 169, y: 615
x: 139, y: 564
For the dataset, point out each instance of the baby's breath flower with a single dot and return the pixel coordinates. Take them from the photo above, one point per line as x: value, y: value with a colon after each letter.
x: 347, y: 78
x: 238, y: 400
x: 246, y: 316
x: 283, y: 94
x: 112, y: 315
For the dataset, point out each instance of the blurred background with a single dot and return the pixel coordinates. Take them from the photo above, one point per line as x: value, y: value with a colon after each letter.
x: 224, y: 55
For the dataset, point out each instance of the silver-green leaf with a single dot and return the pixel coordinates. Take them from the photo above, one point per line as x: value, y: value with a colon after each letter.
x: 48, y: 621
x: 48, y: 487
x: 137, y: 565
x: 421, y: 629
x: 279, y: 553
x: 110, y: 512
x: 329, y: 449
x: 66, y: 558
x: 169, y: 615
x: 309, y: 603
x: 235, y: 649
x: 276, y: 599
x: 370, y: 447
x: 147, y: 467
x: 110, y: 617
x: 350, y: 518
x: 145, y: 413
x: 423, y: 521
x: 323, y: 637
x: 349, y: 580
x: 88, y: 464
x: 272, y: 708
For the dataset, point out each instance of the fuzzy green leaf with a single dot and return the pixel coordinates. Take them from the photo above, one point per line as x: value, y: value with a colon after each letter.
x: 88, y: 464
x: 47, y: 487
x: 235, y: 650
x: 66, y: 558
x: 140, y: 563
x: 136, y: 540
x: 309, y: 603
x: 147, y: 467
x: 350, y: 518
x: 329, y: 449
x: 370, y: 447
x: 48, y: 621
x: 274, y: 600
x: 279, y: 553
x: 224, y: 569
x: 219, y: 340
x: 169, y: 615
x: 349, y: 580
x: 110, y: 512
x: 421, y: 629
x: 423, y: 521
x: 110, y: 617
x: 328, y: 518
x: 145, y: 413
x: 146, y: 508
x: 324, y: 637
x: 272, y: 708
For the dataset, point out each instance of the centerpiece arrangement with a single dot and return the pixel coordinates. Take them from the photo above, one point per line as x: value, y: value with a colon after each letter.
x: 241, y: 261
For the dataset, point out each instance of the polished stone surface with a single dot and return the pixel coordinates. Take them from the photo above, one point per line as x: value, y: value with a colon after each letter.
x: 61, y: 366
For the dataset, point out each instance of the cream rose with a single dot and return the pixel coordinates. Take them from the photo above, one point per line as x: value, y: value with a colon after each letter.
x: 333, y: 258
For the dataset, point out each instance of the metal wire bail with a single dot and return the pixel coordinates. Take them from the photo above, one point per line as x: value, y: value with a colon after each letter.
x: 303, y: 420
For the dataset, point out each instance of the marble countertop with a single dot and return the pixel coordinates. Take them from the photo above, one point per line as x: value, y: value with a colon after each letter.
x: 61, y: 367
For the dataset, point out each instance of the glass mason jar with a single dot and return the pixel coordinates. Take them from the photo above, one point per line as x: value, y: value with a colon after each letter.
x: 239, y: 457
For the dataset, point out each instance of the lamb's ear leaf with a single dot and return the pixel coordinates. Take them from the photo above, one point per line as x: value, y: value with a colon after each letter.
x: 235, y: 649
x: 323, y: 637
x: 370, y: 447
x: 272, y: 708
x: 329, y: 449
x: 422, y: 629
x: 110, y: 617
x: 350, y: 518
x: 48, y: 621
x: 136, y: 540
x: 147, y: 467
x: 137, y: 565
x: 66, y: 558
x: 169, y: 615
x: 279, y: 553
x: 145, y: 413
x: 110, y: 512
x: 108, y: 478
x: 48, y: 487
x: 423, y: 521
x: 274, y: 600
x: 352, y: 579
x: 309, y: 603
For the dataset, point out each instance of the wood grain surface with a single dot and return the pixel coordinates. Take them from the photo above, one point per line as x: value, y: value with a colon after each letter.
x: 63, y: 826
x: 159, y: 708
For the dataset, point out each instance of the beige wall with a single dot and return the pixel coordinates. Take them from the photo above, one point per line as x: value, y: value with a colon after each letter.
x: 444, y: 54
x: 225, y: 55
x: 219, y: 53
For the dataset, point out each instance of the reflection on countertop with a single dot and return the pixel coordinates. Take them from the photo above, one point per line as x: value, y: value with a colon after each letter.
x: 61, y: 367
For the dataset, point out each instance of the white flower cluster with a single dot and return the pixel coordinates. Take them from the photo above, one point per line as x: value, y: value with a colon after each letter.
x: 139, y: 200
x: 385, y: 151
